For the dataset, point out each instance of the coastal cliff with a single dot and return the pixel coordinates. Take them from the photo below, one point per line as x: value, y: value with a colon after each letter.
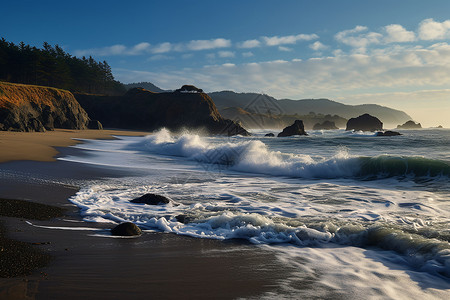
x: 37, y: 108
x: 144, y: 110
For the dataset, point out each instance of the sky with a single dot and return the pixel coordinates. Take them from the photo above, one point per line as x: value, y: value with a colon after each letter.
x: 392, y: 53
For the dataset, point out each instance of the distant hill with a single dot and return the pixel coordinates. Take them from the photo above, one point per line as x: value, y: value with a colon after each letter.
x: 272, y: 121
x: 258, y: 103
x: 146, y: 85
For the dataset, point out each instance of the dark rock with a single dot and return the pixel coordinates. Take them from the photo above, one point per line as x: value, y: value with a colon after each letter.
x: 410, y: 125
x: 440, y: 126
x: 126, y: 229
x: 189, y: 89
x: 295, y: 129
x: 326, y: 125
x: 183, y: 219
x: 230, y: 128
x: 151, y: 199
x: 388, y: 133
x: 270, y: 134
x: 139, y: 109
x: 364, y: 122
x: 95, y: 124
x: 36, y: 108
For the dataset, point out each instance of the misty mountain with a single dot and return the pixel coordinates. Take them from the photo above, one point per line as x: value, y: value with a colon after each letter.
x: 274, y: 121
x: 258, y: 103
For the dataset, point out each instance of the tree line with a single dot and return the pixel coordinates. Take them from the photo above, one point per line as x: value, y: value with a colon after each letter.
x: 52, y: 66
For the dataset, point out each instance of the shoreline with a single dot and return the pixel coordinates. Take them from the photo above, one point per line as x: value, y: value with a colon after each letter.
x: 41, y: 146
x: 84, y: 265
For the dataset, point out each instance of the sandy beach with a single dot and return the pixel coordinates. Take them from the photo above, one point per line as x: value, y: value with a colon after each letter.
x: 83, y: 264
x: 40, y: 146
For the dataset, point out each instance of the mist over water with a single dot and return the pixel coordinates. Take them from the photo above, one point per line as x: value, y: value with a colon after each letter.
x: 329, y: 192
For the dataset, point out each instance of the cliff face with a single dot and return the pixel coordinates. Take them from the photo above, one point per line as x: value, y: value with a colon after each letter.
x: 145, y: 110
x: 37, y: 108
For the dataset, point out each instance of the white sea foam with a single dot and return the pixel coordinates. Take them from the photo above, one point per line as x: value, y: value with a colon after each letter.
x: 252, y: 156
x: 312, y: 214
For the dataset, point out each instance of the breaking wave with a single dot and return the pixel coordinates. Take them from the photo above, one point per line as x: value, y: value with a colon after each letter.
x: 253, y: 156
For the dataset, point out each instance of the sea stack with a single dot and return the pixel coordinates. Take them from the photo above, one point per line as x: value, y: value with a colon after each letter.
x: 410, y: 125
x: 295, y: 129
x: 364, y: 122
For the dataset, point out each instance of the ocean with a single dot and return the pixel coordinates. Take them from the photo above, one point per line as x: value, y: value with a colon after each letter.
x: 349, y: 211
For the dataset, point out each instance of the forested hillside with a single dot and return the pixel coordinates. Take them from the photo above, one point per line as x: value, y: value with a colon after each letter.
x: 52, y: 66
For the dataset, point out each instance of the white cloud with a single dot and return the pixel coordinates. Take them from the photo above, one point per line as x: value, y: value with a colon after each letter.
x: 286, y: 49
x: 144, y: 48
x: 141, y: 47
x: 159, y: 57
x: 226, y: 54
x: 105, y: 51
x: 196, y: 45
x: 318, y: 46
x: 247, y: 54
x: 396, y: 33
x: 358, y: 37
x: 289, y: 39
x: 249, y: 44
x: 114, y: 50
x: 162, y: 48
x: 432, y: 30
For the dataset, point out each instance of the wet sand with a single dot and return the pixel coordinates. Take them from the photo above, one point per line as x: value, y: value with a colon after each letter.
x: 155, y: 265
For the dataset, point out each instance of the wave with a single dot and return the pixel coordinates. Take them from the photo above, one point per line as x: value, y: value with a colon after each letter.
x: 253, y: 156
x: 389, y: 166
x: 206, y: 220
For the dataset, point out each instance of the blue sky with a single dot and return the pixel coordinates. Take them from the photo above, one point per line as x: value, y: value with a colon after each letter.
x: 394, y: 53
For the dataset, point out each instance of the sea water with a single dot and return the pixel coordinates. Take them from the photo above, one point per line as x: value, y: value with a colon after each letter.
x: 351, y: 212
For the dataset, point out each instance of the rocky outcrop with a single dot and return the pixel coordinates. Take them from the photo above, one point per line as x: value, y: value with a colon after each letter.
x: 151, y: 199
x: 364, y: 122
x: 295, y: 129
x: 126, y: 229
x: 37, y: 108
x: 189, y: 89
x: 269, y: 134
x: 388, y: 133
x: 410, y: 125
x: 140, y: 109
x: 327, y: 125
